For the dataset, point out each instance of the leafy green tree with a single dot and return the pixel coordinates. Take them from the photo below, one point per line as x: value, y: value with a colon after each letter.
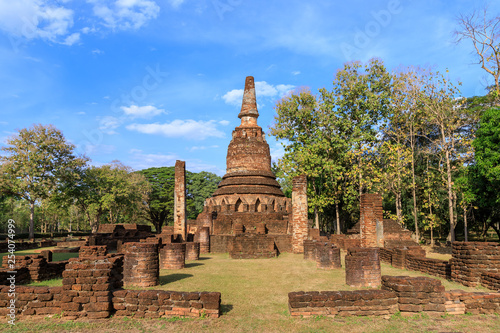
x: 160, y: 202
x: 38, y: 160
x: 486, y: 172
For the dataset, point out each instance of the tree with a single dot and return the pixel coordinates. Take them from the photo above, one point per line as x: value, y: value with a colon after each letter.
x: 160, y: 202
x: 38, y: 160
x: 453, y: 128
x: 483, y: 32
x: 486, y: 171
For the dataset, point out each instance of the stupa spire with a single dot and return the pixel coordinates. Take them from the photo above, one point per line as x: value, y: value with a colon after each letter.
x: 249, y: 113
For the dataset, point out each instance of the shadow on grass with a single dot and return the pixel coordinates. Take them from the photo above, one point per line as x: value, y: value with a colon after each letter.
x: 225, y: 308
x: 204, y: 258
x: 193, y: 264
x: 164, y: 279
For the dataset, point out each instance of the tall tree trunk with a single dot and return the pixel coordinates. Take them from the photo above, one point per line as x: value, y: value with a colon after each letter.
x: 316, y: 218
x: 414, y: 187
x: 430, y: 212
x: 399, y: 208
x: 338, y: 217
x: 32, y: 219
x: 451, y: 235
x: 465, y: 224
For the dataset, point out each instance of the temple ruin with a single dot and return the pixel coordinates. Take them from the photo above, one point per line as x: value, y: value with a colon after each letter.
x: 248, y: 200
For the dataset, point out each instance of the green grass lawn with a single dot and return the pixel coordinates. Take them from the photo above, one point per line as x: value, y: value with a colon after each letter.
x: 254, y: 299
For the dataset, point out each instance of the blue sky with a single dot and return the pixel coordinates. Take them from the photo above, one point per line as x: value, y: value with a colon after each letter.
x: 147, y: 82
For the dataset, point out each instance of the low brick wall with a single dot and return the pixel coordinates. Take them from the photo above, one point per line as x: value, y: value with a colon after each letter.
x: 31, y: 300
x: 416, y: 294
x: 459, y: 302
x: 160, y: 303
x: 218, y: 243
x: 471, y: 259
x: 490, y: 280
x: 399, y: 255
x: 343, y: 303
x: 283, y: 242
x: 37, y: 265
x: 22, y: 276
x: 385, y: 255
x: 430, y: 266
x: 252, y: 246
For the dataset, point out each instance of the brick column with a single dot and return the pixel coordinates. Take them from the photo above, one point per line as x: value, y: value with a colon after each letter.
x: 299, y: 213
x: 180, y: 199
x: 371, y: 213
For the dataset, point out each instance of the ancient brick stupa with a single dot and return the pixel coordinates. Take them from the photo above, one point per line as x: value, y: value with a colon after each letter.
x: 248, y: 199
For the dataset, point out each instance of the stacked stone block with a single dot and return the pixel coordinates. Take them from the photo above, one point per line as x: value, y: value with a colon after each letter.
x: 252, y: 246
x: 399, y: 255
x: 140, y: 264
x: 460, y: 302
x: 343, y: 303
x: 490, y: 280
x: 327, y: 256
x: 32, y: 300
x: 173, y: 256
x: 38, y: 267
x: 238, y: 229
x: 260, y: 229
x: 351, y: 242
x: 371, y: 213
x: 299, y: 213
x: 192, y: 251
x: 362, y: 267
x: 310, y: 249
x: 385, y: 255
x: 87, y: 286
x: 160, y: 303
x: 416, y: 294
x: 471, y: 259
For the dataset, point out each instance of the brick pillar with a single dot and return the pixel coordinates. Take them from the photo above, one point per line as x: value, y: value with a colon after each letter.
x: 204, y: 239
x: 88, y: 282
x: 327, y: 256
x: 192, y: 251
x: 299, y: 213
x: 371, y: 213
x: 362, y: 267
x: 173, y: 256
x: 180, y: 199
x: 141, y: 265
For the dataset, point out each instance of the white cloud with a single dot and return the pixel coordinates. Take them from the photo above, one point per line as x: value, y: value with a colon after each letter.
x: 125, y: 14
x: 97, y: 51
x: 277, y: 151
x: 224, y: 122
x: 72, y: 39
x: 262, y: 90
x: 100, y: 149
x: 176, y: 3
x: 81, y: 113
x: 194, y: 148
x: 108, y: 124
x: 33, y: 19
x: 146, y: 111
x: 295, y: 72
x: 233, y: 97
x: 189, y: 129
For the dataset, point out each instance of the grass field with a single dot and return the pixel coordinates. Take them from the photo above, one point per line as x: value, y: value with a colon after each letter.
x: 254, y: 299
